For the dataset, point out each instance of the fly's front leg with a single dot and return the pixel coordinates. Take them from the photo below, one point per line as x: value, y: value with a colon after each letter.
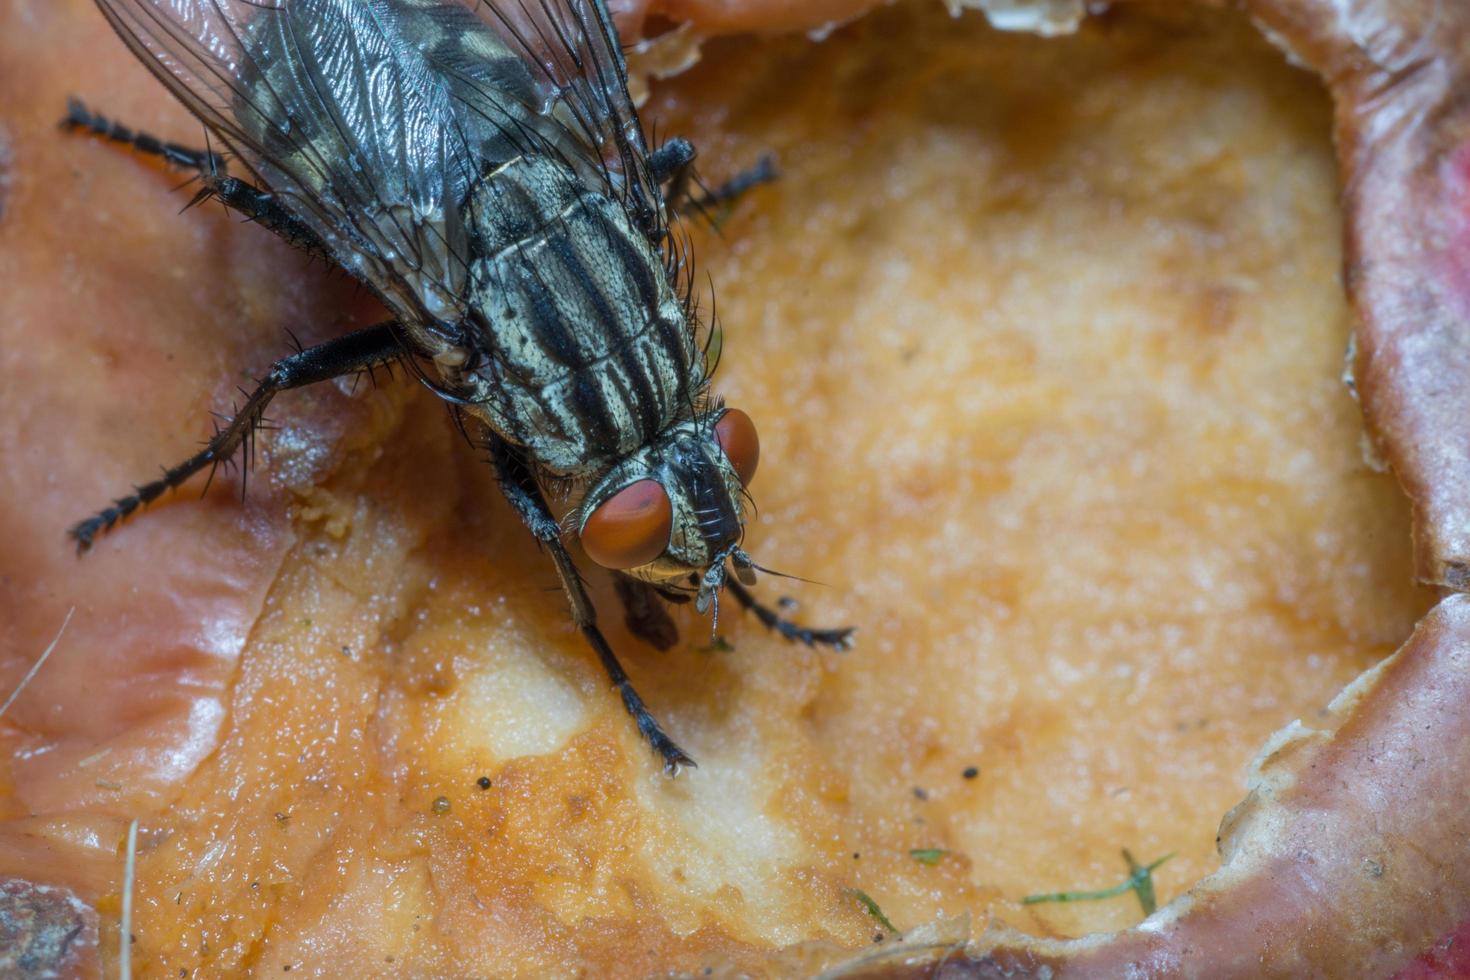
x: 673, y: 166
x: 837, y: 639
x: 345, y: 355
x: 521, y: 490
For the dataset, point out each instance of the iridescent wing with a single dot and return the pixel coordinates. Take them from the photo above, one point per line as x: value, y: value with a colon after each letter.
x: 571, y: 48
x: 371, y: 119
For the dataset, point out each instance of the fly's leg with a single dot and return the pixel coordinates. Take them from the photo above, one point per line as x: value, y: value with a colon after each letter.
x: 79, y: 117
x: 644, y: 613
x: 259, y: 206
x: 673, y: 166
x: 762, y: 172
x: 837, y: 639
x: 355, y: 352
x: 345, y: 355
x: 262, y: 208
x: 521, y: 490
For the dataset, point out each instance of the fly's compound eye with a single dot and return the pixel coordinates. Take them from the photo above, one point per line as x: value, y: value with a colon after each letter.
x: 631, y: 527
x: 735, y: 433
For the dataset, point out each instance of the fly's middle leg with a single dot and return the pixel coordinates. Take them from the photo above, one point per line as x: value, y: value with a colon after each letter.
x: 521, y: 490
x: 345, y: 355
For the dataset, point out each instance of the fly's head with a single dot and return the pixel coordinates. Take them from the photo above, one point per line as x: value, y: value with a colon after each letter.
x: 675, y: 508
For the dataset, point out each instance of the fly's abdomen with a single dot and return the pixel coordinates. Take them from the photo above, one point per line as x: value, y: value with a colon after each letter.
x: 589, y: 351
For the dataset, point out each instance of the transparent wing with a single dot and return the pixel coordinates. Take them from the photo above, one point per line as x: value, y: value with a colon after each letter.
x: 373, y: 118
x: 571, y: 50
x: 333, y: 104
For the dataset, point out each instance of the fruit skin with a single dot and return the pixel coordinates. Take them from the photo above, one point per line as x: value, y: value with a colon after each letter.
x: 1397, y: 73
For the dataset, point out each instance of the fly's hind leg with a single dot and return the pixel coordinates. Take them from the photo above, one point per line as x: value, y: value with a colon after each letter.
x: 259, y: 206
x: 673, y: 166
x: 837, y: 639
x: 345, y: 355
x: 521, y: 490
x: 79, y: 117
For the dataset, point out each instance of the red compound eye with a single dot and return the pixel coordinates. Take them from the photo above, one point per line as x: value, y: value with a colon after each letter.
x: 735, y: 433
x: 631, y: 528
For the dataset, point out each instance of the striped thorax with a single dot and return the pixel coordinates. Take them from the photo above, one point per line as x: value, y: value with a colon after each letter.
x: 585, y: 359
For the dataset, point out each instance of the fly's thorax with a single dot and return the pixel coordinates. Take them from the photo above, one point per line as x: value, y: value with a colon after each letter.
x: 583, y: 350
x: 705, y: 498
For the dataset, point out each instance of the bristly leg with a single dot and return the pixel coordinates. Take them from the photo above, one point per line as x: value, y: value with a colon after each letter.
x: 262, y: 208
x: 837, y: 639
x: 79, y: 117
x: 525, y: 496
x: 762, y: 172
x: 345, y: 355
x: 673, y: 166
x: 259, y: 206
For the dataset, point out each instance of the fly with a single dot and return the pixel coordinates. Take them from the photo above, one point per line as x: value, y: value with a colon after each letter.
x: 486, y: 176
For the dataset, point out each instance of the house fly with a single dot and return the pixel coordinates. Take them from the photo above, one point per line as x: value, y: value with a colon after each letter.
x: 484, y: 173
